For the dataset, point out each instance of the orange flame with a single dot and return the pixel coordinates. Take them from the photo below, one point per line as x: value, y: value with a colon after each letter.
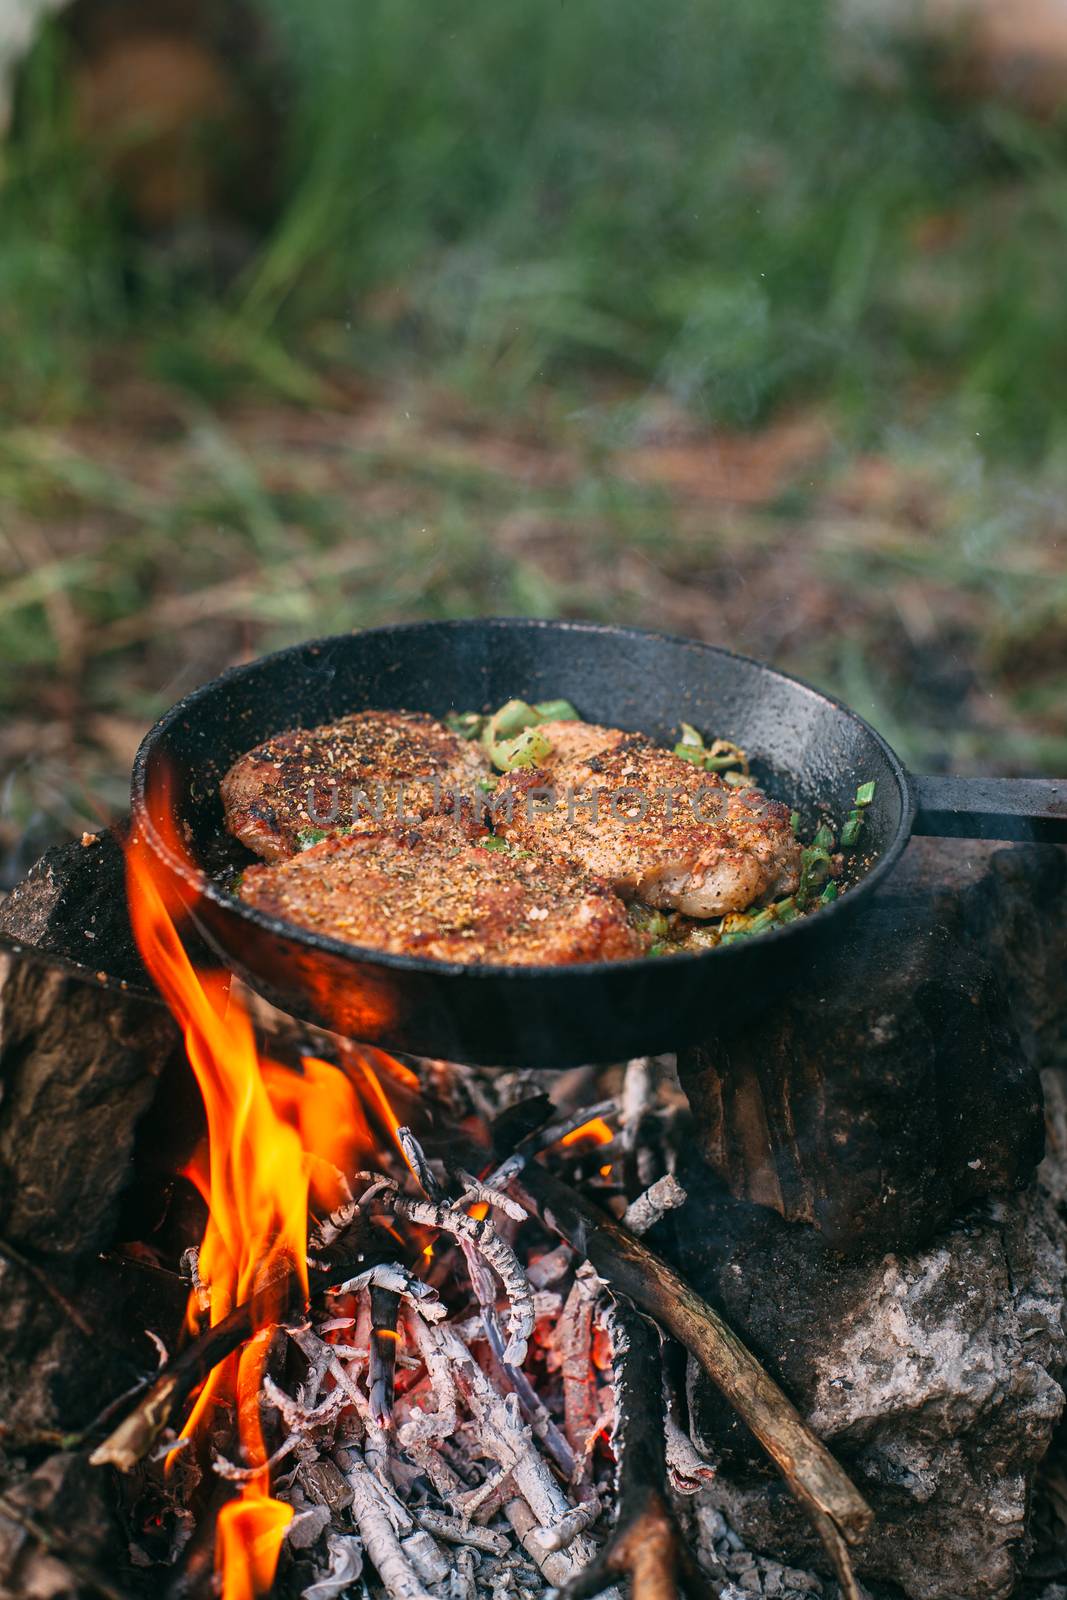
x: 274, y: 1139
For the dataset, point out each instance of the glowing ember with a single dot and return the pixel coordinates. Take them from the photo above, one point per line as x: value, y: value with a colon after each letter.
x: 596, y: 1131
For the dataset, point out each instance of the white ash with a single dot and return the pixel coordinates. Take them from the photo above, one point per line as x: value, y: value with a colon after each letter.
x: 460, y: 1496
x: 687, y: 1468
x: 666, y: 1194
x: 751, y: 1577
x: 482, y: 1236
x: 190, y: 1271
x: 344, y: 1567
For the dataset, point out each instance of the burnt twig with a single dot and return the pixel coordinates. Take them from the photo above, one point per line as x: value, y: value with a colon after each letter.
x: 838, y: 1511
x: 543, y: 1138
x: 384, y: 1309
x: 43, y: 1282
x: 421, y: 1171
x: 136, y: 1434
x: 645, y: 1543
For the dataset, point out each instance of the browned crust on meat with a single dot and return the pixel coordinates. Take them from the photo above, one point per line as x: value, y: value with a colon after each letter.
x: 627, y: 814
x: 426, y: 890
x: 346, y: 767
x: 577, y: 741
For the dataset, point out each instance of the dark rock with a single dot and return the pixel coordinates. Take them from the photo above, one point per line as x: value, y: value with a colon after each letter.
x: 67, y: 1501
x: 933, y: 1374
x: 72, y: 904
x: 901, y: 1082
x: 79, y: 1063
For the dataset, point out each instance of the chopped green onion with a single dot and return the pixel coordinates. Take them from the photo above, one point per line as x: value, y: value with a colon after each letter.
x: 786, y: 910
x: 824, y: 838
x: 724, y: 753
x: 828, y: 894
x: 732, y: 938
x: 512, y: 717
x: 850, y: 833
x: 525, y: 750
x: 556, y: 711
x: 493, y: 841
x: 309, y: 836
x: 690, y: 752
x: 488, y: 784
x: 649, y: 921
x: 467, y: 724
x: 763, y: 921
x: 660, y: 948
x: 814, y: 869
x: 794, y: 823
x: 719, y: 763
x: 865, y: 793
x: 690, y: 736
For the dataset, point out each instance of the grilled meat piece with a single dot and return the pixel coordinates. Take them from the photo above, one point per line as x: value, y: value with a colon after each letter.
x: 577, y: 741
x: 427, y: 890
x: 656, y: 827
x: 346, y: 768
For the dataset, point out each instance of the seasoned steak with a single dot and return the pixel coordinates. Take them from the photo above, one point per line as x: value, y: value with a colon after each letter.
x: 655, y: 826
x: 427, y: 889
x: 577, y: 741
x: 345, y: 769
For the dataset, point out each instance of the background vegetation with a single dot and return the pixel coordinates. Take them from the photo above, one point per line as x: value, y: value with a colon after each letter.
x: 583, y: 309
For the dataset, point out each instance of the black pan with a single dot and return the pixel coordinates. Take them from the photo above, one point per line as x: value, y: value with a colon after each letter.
x: 806, y: 749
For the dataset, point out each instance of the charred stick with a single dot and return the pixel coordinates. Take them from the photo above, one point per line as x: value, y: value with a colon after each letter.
x: 45, y: 1284
x: 638, y: 1093
x: 500, y: 1256
x: 645, y: 1541
x: 666, y: 1194
x: 636, y: 1271
x: 543, y: 1139
x: 534, y: 1409
x: 455, y: 1531
x: 423, y: 1173
x: 543, y: 1502
x: 134, y: 1437
x: 381, y: 1372
x: 557, y: 1566
x: 581, y: 1409
x: 374, y: 1514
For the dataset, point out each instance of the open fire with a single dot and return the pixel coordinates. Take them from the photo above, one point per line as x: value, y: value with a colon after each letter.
x: 411, y: 1355
x: 416, y: 1413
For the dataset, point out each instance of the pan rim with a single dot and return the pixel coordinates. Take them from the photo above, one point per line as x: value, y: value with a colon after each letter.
x: 204, y: 887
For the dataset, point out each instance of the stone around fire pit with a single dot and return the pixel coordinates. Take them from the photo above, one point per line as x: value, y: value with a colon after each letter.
x: 898, y: 1083
x: 933, y: 1375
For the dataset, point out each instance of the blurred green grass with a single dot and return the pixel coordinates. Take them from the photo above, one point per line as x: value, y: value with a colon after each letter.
x: 537, y: 271
x: 694, y: 196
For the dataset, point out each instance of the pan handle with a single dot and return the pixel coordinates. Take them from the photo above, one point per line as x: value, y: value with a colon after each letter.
x: 1031, y: 809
